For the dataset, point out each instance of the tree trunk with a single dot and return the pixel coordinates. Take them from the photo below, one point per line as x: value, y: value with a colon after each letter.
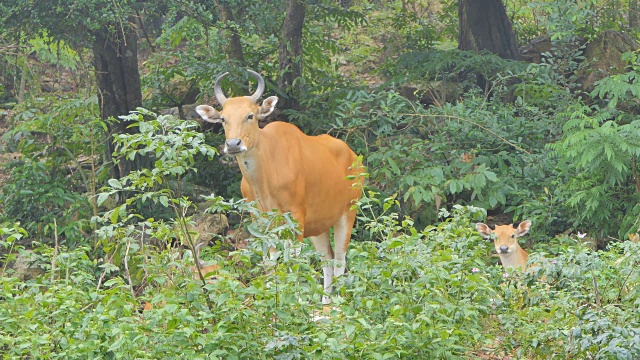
x: 634, y: 16
x: 484, y: 25
x: 290, y: 52
x: 116, y: 64
x: 346, y: 3
x: 230, y: 32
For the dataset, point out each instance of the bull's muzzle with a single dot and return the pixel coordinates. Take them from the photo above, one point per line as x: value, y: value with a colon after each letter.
x: 504, y: 249
x: 234, y: 146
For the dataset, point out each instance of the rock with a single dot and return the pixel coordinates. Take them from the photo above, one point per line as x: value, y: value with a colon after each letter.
x: 237, y: 238
x: 170, y: 111
x: 603, y: 57
x: 533, y: 52
x: 435, y: 93
x: 189, y: 112
x: 207, y: 226
x: 22, y: 266
x: 590, y: 242
x: 48, y: 86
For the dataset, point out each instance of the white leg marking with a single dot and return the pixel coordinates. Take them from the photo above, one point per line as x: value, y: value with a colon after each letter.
x: 327, y: 271
x: 342, y: 235
x: 322, y: 244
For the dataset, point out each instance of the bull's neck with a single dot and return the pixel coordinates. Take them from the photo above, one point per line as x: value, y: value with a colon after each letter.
x: 251, y: 165
x: 257, y: 166
x: 515, y: 259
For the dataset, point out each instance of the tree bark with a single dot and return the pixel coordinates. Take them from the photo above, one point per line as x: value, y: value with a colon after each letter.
x: 484, y: 25
x: 116, y: 64
x: 346, y: 3
x: 290, y: 52
x: 634, y: 16
x: 230, y: 32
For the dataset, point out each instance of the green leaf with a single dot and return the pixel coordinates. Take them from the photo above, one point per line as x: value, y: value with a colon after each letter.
x: 493, y: 201
x: 117, y: 344
x: 115, y: 183
x: 119, y: 211
x: 490, y: 175
x: 395, y: 242
x: 394, y: 166
x: 455, y: 186
x: 114, y: 215
x: 102, y: 197
x: 349, y: 329
x: 164, y: 200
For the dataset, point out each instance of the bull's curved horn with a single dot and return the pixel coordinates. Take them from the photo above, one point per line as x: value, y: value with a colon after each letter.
x: 197, y: 255
x: 260, y: 90
x: 217, y: 90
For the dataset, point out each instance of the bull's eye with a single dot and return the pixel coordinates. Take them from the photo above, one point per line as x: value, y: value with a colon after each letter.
x: 250, y: 117
x: 221, y: 119
x: 513, y: 236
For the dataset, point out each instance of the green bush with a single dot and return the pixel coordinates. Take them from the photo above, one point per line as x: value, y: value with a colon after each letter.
x: 413, y: 294
x: 586, y: 306
x: 387, y: 302
x: 474, y: 152
x: 58, y: 170
x: 599, y: 149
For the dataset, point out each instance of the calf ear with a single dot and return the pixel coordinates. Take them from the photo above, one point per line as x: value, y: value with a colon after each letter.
x: 267, y: 106
x: 483, y: 229
x: 524, y: 227
x: 207, y: 113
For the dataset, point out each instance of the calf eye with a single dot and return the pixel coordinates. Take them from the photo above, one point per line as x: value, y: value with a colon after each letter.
x: 221, y: 119
x: 513, y: 236
x: 250, y: 116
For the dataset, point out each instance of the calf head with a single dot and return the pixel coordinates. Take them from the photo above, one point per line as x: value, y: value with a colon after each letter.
x: 239, y: 115
x: 505, y: 237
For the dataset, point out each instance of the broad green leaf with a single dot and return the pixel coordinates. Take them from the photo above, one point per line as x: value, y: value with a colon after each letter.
x: 115, y: 183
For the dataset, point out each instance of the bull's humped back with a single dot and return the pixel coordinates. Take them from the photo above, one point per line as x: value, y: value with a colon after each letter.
x: 317, y: 167
x: 322, y: 160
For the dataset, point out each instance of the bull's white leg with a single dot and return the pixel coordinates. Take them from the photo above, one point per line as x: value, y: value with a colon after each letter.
x: 322, y: 244
x: 342, y: 236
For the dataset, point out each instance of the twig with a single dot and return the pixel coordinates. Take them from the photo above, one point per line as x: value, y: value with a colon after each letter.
x: 55, y: 249
x: 473, y: 123
x: 144, y: 31
x: 595, y: 289
x: 108, y: 261
x: 88, y: 306
x: 92, y: 180
x: 622, y: 284
x: 126, y: 268
x: 146, y: 257
x: 192, y: 246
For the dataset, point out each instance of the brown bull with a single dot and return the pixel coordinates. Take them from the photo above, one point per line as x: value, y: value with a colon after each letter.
x: 316, y: 178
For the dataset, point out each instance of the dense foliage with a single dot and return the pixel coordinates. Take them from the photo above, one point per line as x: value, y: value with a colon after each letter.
x: 433, y: 293
x: 448, y: 138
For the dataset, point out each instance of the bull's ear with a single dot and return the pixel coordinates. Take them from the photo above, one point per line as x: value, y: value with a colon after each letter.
x: 524, y: 227
x: 207, y: 113
x: 267, y: 106
x: 484, y: 230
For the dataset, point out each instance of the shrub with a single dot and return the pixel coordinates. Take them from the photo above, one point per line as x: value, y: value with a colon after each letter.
x: 58, y: 170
